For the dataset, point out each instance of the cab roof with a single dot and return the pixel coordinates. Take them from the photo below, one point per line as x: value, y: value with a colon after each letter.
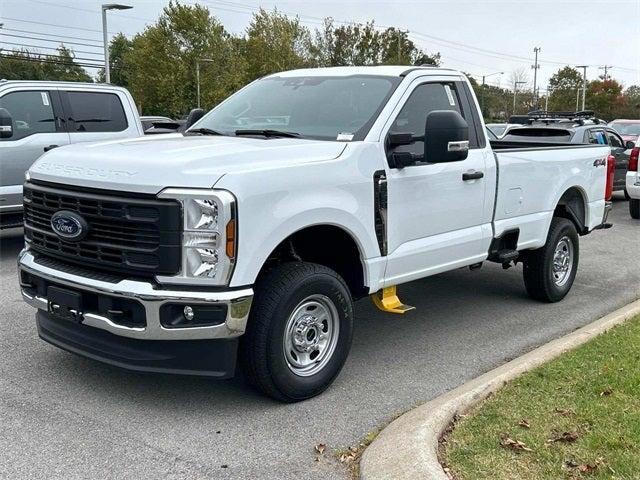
x: 379, y: 70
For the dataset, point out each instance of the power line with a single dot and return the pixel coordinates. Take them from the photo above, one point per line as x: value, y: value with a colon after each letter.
x: 49, y: 48
x: 47, y: 39
x: 51, y: 34
x: 47, y: 60
x: 51, y: 54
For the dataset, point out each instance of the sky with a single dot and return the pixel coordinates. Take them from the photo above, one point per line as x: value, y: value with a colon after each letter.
x: 481, y: 37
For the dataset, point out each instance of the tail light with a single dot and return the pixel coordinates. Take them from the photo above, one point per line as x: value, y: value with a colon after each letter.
x: 633, y: 159
x: 611, y: 171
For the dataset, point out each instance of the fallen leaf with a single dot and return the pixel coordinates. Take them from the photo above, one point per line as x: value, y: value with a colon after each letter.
x: 347, y: 457
x: 566, y: 437
x: 524, y: 423
x: 587, y: 468
x: 565, y: 412
x: 571, y: 463
x: 320, y: 448
x: 515, y: 445
x: 606, y: 392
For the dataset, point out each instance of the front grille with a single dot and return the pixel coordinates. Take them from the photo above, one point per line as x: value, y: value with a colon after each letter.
x: 138, y: 235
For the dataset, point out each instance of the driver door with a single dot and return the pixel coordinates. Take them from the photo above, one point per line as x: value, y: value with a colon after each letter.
x: 438, y: 219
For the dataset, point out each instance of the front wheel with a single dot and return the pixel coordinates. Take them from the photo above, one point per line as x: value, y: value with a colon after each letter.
x: 634, y: 208
x: 549, y: 271
x: 299, y: 331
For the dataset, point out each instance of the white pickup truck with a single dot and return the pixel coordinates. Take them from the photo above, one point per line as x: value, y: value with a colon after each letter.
x: 254, y: 231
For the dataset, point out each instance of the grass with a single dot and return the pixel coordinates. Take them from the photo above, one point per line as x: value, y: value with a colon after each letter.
x: 576, y: 417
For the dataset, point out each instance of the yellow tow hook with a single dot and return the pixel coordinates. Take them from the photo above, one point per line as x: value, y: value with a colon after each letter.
x: 387, y: 300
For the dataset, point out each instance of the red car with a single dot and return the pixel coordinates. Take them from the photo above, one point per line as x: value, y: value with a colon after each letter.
x: 628, y: 129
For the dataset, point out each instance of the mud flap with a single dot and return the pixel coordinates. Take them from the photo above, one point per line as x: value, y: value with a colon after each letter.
x: 387, y: 300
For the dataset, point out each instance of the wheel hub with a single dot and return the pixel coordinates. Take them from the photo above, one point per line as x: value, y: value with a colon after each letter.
x: 562, y: 261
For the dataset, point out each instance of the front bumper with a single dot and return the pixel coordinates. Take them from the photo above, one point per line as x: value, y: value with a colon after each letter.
x: 237, y: 303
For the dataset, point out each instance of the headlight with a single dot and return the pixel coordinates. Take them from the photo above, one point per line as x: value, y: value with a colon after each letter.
x: 209, y: 236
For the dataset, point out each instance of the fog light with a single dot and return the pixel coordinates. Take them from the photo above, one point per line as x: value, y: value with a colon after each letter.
x: 188, y: 313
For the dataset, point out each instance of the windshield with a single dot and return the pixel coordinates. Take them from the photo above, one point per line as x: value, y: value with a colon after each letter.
x: 624, y: 128
x: 326, y: 108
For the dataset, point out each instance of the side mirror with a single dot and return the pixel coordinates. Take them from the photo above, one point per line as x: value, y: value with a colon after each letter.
x: 628, y: 145
x: 194, y: 115
x: 446, y: 136
x: 6, y: 124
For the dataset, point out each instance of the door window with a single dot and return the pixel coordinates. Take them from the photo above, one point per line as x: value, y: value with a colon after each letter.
x: 96, y: 112
x: 597, y: 137
x: 423, y: 100
x: 614, y: 140
x: 31, y: 112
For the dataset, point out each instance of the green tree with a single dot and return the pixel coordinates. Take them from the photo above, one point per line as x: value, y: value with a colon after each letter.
x: 564, y: 86
x: 27, y: 65
x: 119, y: 47
x: 605, y: 98
x: 274, y: 43
x: 631, y: 103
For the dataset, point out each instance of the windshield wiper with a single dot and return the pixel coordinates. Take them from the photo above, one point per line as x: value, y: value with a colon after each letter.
x: 268, y: 133
x: 204, y: 131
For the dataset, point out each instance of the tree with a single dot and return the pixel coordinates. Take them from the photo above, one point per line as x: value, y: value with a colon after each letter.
x: 119, y: 47
x: 160, y: 66
x: 605, y: 98
x: 274, y: 43
x: 631, y: 103
x: 27, y: 65
x: 564, y: 86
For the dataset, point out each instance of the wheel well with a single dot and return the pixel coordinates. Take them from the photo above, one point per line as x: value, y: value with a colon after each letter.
x: 572, y: 207
x: 326, y: 245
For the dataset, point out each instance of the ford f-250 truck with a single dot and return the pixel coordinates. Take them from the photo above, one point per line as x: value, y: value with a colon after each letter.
x: 251, y: 234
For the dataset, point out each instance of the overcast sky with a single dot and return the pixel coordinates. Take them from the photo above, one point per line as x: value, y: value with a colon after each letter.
x: 480, y: 37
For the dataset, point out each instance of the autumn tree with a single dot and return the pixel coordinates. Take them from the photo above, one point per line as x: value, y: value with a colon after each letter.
x: 605, y: 98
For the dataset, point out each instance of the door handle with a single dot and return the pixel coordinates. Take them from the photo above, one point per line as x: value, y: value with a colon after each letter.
x: 50, y: 147
x: 472, y: 176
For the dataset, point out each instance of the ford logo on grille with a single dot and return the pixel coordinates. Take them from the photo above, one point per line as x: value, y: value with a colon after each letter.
x: 69, y: 225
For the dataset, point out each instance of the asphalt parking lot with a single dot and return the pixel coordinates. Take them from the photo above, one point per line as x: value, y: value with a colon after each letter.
x: 62, y: 416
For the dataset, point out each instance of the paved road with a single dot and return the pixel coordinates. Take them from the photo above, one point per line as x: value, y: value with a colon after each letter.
x: 62, y: 416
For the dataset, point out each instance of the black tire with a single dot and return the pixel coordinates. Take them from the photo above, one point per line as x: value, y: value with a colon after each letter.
x: 626, y: 195
x: 278, y: 294
x: 634, y: 208
x: 539, y: 277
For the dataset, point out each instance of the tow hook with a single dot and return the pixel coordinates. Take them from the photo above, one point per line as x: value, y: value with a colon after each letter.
x: 387, y: 300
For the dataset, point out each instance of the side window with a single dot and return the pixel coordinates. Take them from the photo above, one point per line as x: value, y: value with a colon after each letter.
x: 31, y: 112
x: 596, y: 137
x: 96, y: 112
x: 422, y: 101
x: 614, y: 140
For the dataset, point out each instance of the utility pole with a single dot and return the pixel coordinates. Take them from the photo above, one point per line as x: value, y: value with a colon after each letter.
x: 584, y: 84
x: 606, y: 71
x: 105, y: 36
x: 535, y: 67
x: 515, y: 90
x: 482, y: 90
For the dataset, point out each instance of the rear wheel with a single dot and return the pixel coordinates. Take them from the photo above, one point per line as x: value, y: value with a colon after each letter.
x: 299, y: 331
x: 634, y: 208
x: 549, y: 271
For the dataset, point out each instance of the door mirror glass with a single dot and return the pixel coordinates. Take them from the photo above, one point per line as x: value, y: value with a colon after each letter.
x: 6, y: 124
x: 194, y: 115
x: 629, y: 145
x: 446, y: 136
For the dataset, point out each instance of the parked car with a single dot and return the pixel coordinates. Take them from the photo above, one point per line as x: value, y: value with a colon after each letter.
x: 254, y: 231
x: 41, y: 116
x: 589, y: 133
x: 628, y: 129
x: 490, y: 134
x: 633, y: 183
x: 501, y: 129
x: 149, y: 120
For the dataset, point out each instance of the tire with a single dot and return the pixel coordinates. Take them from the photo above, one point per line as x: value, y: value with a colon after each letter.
x: 294, y: 297
x: 626, y: 195
x: 634, y: 208
x: 540, y: 279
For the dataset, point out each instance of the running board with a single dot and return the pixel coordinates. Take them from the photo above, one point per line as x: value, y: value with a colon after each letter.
x: 387, y: 300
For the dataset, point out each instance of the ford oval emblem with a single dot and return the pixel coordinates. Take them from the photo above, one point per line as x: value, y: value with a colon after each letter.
x: 69, y: 225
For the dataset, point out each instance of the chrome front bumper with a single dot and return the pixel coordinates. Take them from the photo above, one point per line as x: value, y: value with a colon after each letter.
x: 238, y: 303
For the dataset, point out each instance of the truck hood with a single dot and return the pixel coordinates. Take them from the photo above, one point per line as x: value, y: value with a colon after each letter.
x: 150, y: 164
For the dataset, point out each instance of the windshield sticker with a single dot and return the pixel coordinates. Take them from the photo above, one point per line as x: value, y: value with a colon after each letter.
x: 345, y: 137
x: 45, y: 98
x: 447, y: 89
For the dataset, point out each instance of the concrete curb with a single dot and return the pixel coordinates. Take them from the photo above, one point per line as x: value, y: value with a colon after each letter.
x: 408, y: 447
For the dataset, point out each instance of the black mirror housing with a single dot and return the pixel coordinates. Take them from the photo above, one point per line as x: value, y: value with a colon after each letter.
x: 6, y: 124
x: 446, y: 136
x: 194, y: 115
x: 628, y: 145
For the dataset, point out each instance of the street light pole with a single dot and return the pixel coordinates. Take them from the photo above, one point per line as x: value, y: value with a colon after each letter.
x: 198, y: 60
x: 515, y: 90
x: 482, y: 90
x: 584, y: 84
x: 105, y: 35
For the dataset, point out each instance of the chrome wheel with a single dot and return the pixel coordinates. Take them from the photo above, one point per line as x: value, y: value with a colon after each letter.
x: 311, y: 335
x: 562, y: 261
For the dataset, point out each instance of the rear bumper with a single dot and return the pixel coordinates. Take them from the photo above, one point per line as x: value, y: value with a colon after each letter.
x: 210, y: 358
